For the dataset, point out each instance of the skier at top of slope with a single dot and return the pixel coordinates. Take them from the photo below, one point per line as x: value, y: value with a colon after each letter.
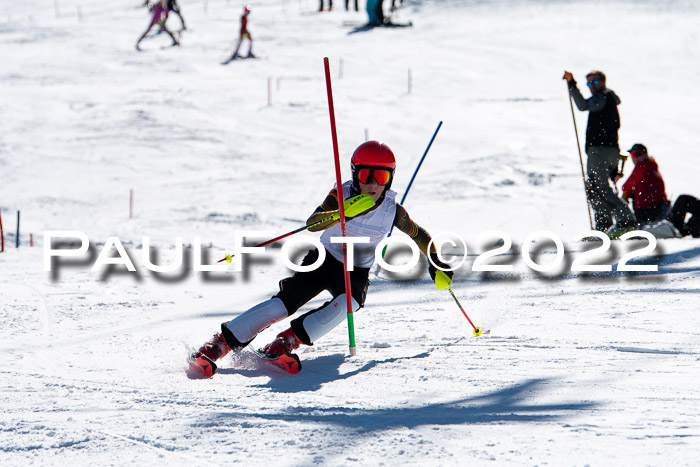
x: 373, y: 166
x: 159, y: 11
x: 243, y: 34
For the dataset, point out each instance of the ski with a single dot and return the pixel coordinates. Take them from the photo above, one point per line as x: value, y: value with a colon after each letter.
x: 288, y: 362
x: 241, y: 57
x: 200, y: 367
x: 204, y: 367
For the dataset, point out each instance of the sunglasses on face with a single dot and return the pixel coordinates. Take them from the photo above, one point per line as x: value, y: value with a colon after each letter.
x: 595, y: 82
x: 382, y: 176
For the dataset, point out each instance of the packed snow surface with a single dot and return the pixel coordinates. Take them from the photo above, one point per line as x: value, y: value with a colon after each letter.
x: 577, y: 368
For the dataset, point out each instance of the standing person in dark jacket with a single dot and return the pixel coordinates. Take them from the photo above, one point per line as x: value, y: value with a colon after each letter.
x: 603, y: 153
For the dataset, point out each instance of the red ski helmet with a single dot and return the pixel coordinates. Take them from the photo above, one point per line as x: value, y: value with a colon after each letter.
x: 246, y: 9
x: 370, y: 155
x: 374, y: 154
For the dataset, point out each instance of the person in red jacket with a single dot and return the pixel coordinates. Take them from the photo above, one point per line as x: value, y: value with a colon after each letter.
x: 645, y: 187
x: 244, y: 34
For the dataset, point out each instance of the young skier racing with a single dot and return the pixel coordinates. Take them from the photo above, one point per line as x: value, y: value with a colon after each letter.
x: 373, y: 166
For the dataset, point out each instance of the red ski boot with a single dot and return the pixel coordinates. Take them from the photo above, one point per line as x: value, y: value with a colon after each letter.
x: 215, y: 348
x: 279, y: 352
x: 202, y: 361
x: 284, y: 343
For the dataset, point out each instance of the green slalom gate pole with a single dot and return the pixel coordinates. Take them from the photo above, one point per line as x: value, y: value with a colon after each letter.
x: 339, y: 185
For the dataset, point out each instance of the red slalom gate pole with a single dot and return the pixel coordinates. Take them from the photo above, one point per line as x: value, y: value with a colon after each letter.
x: 341, y: 207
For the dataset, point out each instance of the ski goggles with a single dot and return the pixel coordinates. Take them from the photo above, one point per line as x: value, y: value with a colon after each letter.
x: 382, y: 176
x: 595, y: 82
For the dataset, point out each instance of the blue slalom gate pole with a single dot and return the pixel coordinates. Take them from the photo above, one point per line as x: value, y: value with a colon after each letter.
x: 420, y: 163
x: 415, y: 172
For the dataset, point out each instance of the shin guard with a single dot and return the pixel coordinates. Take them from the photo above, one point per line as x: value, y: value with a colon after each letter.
x: 321, y: 321
x: 241, y: 330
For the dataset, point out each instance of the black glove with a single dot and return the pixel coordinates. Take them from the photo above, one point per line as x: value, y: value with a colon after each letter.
x: 432, y: 270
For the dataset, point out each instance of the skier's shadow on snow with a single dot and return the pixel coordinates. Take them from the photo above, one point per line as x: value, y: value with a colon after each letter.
x: 314, y: 374
x: 326, y: 369
x: 369, y: 27
x: 512, y: 404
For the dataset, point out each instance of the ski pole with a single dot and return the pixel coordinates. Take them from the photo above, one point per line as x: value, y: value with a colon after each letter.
x: 339, y: 184
x: 413, y: 177
x: 227, y: 258
x: 442, y: 281
x: 580, y: 157
x: 477, y: 331
x: 354, y: 206
x: 415, y: 172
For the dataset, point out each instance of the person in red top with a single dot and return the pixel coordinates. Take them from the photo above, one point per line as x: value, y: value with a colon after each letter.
x: 645, y: 187
x: 244, y: 34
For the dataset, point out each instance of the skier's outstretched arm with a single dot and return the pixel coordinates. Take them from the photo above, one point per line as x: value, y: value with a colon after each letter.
x: 422, y: 238
x: 354, y: 206
x: 325, y: 209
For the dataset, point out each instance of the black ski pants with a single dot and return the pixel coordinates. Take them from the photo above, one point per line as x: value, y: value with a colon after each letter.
x: 684, y: 205
x: 297, y: 290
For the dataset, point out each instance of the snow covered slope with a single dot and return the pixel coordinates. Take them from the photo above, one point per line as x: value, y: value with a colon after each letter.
x: 578, y: 368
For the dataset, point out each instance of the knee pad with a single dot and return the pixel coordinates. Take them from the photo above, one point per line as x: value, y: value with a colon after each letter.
x: 243, y: 329
x: 320, y: 322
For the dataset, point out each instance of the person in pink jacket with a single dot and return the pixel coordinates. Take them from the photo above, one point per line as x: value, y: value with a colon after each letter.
x: 159, y: 16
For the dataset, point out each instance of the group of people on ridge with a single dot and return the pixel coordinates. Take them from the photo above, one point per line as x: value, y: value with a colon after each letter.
x: 160, y: 10
x: 644, y: 187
